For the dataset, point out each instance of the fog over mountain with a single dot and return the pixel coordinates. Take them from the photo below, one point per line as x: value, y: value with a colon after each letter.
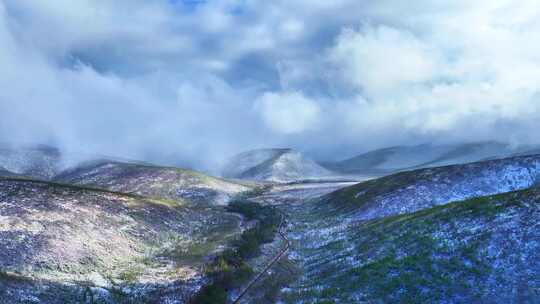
x: 193, y: 82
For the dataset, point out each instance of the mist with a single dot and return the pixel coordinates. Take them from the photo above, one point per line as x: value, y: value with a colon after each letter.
x: 191, y: 83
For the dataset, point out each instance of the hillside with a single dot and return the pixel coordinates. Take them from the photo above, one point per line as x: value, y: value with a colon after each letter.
x: 393, y: 159
x: 276, y: 165
x: 155, y: 181
x: 482, y: 250
x: 66, y: 244
x: 342, y: 239
x: 424, y: 188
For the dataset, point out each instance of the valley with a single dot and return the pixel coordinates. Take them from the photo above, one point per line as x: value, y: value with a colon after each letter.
x: 269, y: 152
x: 106, y: 231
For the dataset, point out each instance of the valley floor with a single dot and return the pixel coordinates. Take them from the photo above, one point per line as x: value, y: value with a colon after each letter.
x: 293, y: 202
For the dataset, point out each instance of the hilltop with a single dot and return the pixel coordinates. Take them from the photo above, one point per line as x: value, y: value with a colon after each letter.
x: 276, y: 165
x: 423, y: 188
x: 154, y: 181
x: 393, y: 159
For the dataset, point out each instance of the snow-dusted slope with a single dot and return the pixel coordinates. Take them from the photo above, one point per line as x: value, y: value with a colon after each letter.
x: 155, y: 181
x: 278, y: 165
x: 389, y: 160
x: 244, y: 161
x: 400, y: 237
x: 483, y: 250
x: 424, y: 188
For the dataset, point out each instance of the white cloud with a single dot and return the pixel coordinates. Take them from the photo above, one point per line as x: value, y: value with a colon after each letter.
x: 384, y: 58
x: 288, y: 112
x: 156, y: 78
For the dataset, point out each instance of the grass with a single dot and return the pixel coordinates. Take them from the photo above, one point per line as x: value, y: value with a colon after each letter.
x: 131, y: 275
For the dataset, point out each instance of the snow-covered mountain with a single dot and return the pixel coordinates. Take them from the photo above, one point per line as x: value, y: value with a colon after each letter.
x: 276, y: 165
x: 399, y: 158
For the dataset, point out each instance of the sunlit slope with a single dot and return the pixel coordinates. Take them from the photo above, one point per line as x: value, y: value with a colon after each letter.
x: 68, y: 244
x: 155, y: 181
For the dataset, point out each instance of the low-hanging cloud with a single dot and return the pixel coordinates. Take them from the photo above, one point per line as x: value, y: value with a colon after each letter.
x: 288, y: 112
x: 191, y: 83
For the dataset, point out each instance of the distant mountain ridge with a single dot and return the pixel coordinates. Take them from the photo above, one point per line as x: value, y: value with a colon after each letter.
x: 276, y: 165
x: 410, y: 191
x: 48, y: 163
x: 399, y: 158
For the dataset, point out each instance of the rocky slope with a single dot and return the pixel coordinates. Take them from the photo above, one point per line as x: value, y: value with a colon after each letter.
x: 69, y: 244
x: 393, y: 159
x: 154, y: 181
x: 276, y: 165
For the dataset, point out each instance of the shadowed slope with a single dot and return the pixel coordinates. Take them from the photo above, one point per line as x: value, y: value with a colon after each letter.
x: 483, y: 250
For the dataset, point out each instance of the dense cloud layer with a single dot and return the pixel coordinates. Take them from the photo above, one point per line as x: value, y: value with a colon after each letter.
x: 194, y: 81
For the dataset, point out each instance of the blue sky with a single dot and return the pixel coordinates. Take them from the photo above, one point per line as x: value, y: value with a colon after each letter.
x: 196, y: 81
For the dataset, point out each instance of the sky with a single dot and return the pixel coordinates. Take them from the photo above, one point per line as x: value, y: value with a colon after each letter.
x: 193, y: 82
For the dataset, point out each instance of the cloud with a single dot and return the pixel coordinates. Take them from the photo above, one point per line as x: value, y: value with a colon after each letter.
x: 288, y: 112
x: 190, y: 84
x: 383, y: 58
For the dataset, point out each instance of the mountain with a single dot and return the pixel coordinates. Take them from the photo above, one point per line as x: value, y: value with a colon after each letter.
x: 276, y: 165
x: 393, y: 159
x: 153, y: 181
x: 70, y: 244
x: 443, y: 234
x: 39, y: 161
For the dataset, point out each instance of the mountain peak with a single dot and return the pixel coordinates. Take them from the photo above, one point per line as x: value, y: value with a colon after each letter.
x: 277, y: 165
